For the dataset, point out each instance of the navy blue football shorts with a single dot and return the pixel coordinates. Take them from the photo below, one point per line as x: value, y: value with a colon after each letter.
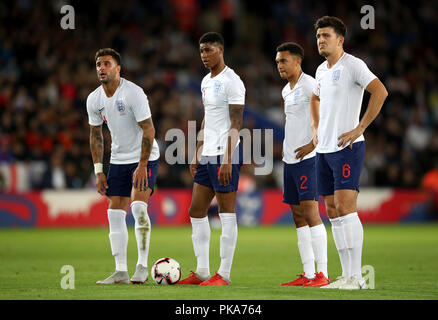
x: 207, y: 173
x: 120, y: 178
x: 340, y: 170
x: 299, y: 182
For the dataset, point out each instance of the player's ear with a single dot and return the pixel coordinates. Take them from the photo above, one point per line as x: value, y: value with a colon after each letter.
x: 341, y: 41
x: 118, y: 68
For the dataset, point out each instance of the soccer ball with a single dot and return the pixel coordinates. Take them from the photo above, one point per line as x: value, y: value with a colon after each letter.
x: 166, y: 271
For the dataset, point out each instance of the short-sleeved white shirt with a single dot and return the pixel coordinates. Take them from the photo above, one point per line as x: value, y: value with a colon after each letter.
x: 122, y: 112
x: 298, y: 131
x: 217, y: 94
x: 340, y: 90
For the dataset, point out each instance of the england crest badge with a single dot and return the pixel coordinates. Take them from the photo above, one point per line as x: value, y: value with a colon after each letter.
x: 336, y: 75
x: 120, y: 105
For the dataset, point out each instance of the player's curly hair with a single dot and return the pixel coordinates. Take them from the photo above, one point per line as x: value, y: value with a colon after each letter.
x: 334, y: 22
x: 108, y: 52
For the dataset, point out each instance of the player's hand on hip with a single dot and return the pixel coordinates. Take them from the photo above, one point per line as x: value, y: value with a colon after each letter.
x: 140, y: 178
x: 349, y: 137
x: 225, y: 173
x: 101, y: 183
x: 304, y: 150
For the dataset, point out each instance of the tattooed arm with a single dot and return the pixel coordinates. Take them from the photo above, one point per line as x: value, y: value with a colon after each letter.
x: 96, y: 146
x: 236, y: 117
x: 140, y: 181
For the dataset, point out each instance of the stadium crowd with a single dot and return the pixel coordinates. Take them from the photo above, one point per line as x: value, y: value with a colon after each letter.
x: 47, y: 72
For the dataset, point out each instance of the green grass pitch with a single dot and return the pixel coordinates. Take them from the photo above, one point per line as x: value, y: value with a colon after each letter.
x: 404, y: 257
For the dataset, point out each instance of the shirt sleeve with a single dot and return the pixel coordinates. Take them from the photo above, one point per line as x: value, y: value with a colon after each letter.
x: 361, y: 74
x: 235, y: 91
x: 315, y: 89
x: 140, y: 105
x: 309, y: 87
x: 94, y: 118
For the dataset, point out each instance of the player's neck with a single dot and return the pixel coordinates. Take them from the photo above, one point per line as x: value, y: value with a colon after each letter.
x: 294, y: 78
x: 217, y: 69
x: 111, y: 87
x: 333, y: 58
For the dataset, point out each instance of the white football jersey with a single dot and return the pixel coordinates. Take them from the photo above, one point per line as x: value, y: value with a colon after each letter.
x: 217, y: 94
x: 340, y: 90
x: 298, y: 131
x: 122, y: 112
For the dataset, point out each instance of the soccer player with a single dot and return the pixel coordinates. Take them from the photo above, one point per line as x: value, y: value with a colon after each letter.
x: 217, y: 172
x: 340, y: 145
x: 133, y: 169
x: 299, y: 174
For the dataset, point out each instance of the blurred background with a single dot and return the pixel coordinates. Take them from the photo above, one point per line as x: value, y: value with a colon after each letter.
x: 46, y: 74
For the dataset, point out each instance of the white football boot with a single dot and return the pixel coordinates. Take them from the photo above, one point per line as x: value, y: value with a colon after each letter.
x: 141, y: 275
x: 340, y: 281
x: 354, y: 283
x: 117, y: 277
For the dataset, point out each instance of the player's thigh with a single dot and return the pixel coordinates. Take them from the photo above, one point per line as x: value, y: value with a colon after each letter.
x: 297, y: 216
x: 152, y: 173
x: 347, y: 166
x: 291, y: 194
x: 226, y: 201
x: 117, y: 202
x: 310, y: 212
x: 201, y: 200
x: 330, y: 206
x: 324, y: 175
x: 345, y: 201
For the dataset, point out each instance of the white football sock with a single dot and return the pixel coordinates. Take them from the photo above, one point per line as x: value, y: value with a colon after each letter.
x: 339, y: 238
x: 306, y: 252
x: 354, y: 241
x: 142, y: 230
x: 118, y: 236
x: 227, y: 243
x: 201, y: 245
x: 319, y: 245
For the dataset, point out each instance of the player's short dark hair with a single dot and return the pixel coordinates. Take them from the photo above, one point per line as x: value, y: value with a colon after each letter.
x: 293, y: 48
x: 108, y: 52
x: 212, y: 37
x: 334, y: 22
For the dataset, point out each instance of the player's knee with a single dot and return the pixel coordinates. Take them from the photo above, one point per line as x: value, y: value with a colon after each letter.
x: 196, y: 211
x: 299, y: 221
x: 118, y: 203
x: 344, y: 208
x: 331, y: 211
x: 228, y: 208
x: 298, y: 217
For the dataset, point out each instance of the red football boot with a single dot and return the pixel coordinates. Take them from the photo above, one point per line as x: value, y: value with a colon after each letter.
x: 319, y: 281
x: 300, y: 281
x: 216, y: 280
x: 192, y: 279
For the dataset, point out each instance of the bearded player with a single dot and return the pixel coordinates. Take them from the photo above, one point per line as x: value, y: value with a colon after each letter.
x: 133, y: 169
x: 340, y: 145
